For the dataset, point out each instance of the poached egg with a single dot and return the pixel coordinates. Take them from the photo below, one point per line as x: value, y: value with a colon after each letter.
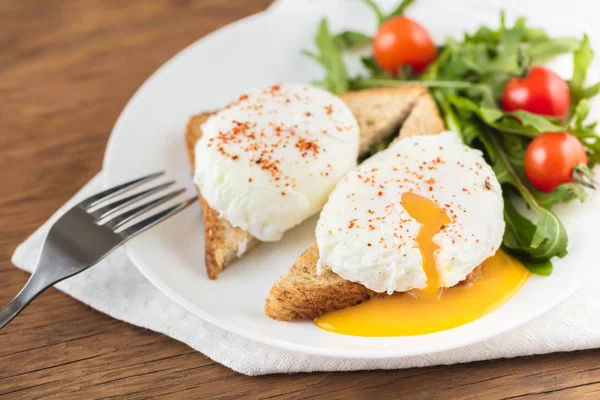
x: 271, y: 157
x: 418, y: 217
x: 374, y: 228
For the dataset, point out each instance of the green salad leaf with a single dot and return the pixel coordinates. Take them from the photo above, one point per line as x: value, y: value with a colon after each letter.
x: 353, y: 39
x: 548, y: 48
x: 521, y: 123
x: 582, y: 58
x: 374, y: 69
x: 330, y: 50
x: 549, y: 238
x: 562, y: 194
x: 518, y: 234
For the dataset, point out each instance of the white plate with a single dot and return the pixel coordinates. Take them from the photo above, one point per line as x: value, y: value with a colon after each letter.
x: 260, y: 50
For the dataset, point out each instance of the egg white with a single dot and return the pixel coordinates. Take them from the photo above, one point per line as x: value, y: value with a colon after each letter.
x: 276, y: 120
x: 365, y: 235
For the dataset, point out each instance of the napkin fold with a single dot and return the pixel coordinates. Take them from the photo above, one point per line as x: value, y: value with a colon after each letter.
x: 115, y: 287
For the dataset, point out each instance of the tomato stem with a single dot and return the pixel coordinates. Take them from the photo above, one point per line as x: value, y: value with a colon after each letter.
x: 524, y: 61
x: 584, y: 176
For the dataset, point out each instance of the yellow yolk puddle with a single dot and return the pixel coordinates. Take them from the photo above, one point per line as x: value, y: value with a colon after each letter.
x: 425, y: 311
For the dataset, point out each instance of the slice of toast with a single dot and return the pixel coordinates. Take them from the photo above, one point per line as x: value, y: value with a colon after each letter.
x: 304, y: 295
x: 424, y: 119
x: 379, y: 112
x: 223, y: 243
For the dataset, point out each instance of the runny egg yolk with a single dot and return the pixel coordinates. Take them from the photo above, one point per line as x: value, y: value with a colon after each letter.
x: 431, y: 310
x: 432, y: 218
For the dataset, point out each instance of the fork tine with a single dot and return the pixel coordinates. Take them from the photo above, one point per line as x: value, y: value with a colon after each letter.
x: 118, y: 205
x: 117, y: 190
x: 155, y: 219
x: 127, y: 216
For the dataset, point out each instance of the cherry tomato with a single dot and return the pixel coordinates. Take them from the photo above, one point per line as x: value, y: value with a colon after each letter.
x: 541, y: 92
x: 401, y: 41
x: 550, y: 159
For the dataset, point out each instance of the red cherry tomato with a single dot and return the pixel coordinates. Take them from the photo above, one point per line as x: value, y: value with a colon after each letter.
x: 541, y: 92
x: 550, y: 159
x: 401, y: 41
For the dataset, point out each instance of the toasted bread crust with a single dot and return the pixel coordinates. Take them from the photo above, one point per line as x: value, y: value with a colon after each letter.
x: 381, y: 111
x: 302, y: 294
x: 222, y: 242
x: 424, y: 119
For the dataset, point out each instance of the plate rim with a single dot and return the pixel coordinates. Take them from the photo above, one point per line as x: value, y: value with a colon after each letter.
x: 334, y: 353
x: 264, y: 339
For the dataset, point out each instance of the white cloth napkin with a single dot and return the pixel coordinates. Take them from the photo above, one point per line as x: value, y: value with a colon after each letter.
x: 116, y: 288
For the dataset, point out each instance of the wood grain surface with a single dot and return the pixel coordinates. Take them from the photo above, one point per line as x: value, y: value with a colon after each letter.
x: 67, y: 67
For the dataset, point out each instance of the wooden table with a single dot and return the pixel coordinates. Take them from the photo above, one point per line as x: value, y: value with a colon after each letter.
x: 67, y: 68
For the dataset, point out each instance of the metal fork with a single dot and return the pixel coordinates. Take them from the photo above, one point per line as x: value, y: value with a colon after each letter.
x: 90, y: 231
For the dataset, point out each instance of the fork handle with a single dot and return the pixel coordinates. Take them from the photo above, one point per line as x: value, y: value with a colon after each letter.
x: 34, y: 286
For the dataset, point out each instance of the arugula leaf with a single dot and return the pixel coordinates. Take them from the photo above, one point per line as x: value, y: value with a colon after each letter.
x: 594, y: 156
x: 469, y: 126
x: 540, y: 123
x: 549, y: 238
x: 330, y: 57
x: 534, y: 34
x: 539, y: 267
x: 582, y: 58
x: 591, y: 91
x: 586, y: 133
x: 470, y: 131
x: 483, y: 35
x: 491, y: 57
x: 465, y: 59
x: 508, y: 55
x: 520, y: 46
x: 353, y: 39
x: 465, y: 104
x: 450, y: 117
x: 518, y: 122
x: 376, y: 71
x: 518, y: 234
x: 513, y: 124
x: 519, y: 230
x: 544, y: 49
x: 562, y: 194
x: 581, y: 112
x: 433, y: 70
